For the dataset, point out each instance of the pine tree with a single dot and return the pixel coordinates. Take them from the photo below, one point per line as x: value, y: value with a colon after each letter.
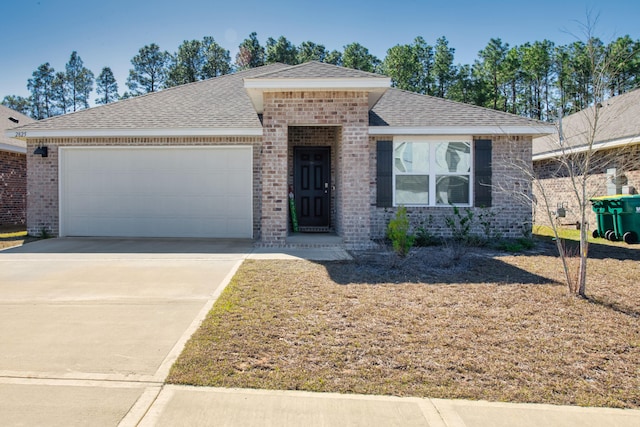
x: 60, y: 93
x: 79, y: 80
x: 358, y: 57
x: 443, y: 69
x: 250, y: 53
x: 41, y: 87
x: 402, y: 65
x: 17, y: 103
x: 216, y: 59
x: 185, y: 64
x: 149, y: 72
x: 310, y: 51
x: 106, y: 87
x: 281, y: 50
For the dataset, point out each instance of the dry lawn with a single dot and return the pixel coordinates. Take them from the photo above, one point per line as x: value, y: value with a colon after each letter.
x: 485, y: 326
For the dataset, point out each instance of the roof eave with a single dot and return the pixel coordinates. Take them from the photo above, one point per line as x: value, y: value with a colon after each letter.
x: 465, y: 130
x: 13, y: 148
x: 176, y: 132
x: 584, y: 148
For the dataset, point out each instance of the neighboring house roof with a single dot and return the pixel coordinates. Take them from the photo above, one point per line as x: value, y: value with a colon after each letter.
x: 229, y: 105
x: 402, y: 112
x: 10, y: 119
x: 618, y: 124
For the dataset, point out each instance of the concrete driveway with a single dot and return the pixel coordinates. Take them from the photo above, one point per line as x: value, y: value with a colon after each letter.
x: 89, y: 328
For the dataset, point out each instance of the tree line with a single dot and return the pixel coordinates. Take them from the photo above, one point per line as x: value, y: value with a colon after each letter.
x: 535, y: 80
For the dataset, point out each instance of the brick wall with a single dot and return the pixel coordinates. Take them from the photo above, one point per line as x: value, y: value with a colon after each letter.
x: 42, y: 173
x: 510, y: 214
x: 285, y: 111
x: 13, y: 188
x: 558, y: 186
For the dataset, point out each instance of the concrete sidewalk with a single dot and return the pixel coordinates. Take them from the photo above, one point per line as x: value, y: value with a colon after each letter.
x: 193, y: 406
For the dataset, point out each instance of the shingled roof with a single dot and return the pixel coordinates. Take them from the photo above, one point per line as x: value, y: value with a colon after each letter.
x: 10, y: 119
x: 317, y: 70
x: 402, y: 109
x: 220, y: 103
x: 618, y: 124
x: 229, y: 105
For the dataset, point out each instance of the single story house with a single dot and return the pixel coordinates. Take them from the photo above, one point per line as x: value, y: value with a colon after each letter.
x: 610, y: 132
x: 13, y: 170
x: 219, y: 158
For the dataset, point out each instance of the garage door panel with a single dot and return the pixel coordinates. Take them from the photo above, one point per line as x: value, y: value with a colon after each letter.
x: 236, y: 183
x: 157, y: 192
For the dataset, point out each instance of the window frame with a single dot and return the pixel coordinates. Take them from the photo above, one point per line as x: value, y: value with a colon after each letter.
x: 432, y: 169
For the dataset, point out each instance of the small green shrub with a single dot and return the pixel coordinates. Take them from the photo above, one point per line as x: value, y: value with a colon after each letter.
x: 460, y: 224
x: 398, y: 232
x: 486, y: 218
x: 424, y: 237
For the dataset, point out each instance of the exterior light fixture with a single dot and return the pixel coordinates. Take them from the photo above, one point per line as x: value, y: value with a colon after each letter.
x: 42, y: 151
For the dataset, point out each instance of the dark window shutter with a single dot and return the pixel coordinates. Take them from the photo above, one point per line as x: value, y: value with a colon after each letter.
x: 384, y: 174
x: 482, y: 173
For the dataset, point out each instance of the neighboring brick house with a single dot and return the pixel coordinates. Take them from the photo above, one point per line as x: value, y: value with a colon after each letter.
x: 614, y: 160
x: 218, y: 158
x: 13, y: 170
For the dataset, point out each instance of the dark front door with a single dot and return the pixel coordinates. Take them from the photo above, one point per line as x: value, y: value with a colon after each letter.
x: 311, y: 187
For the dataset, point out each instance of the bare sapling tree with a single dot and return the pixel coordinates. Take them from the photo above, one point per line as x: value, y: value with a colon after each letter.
x: 574, y: 170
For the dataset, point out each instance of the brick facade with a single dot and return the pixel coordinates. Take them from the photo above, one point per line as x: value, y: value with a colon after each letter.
x: 338, y: 120
x: 286, y: 112
x: 559, y: 189
x: 13, y: 188
x: 510, y: 214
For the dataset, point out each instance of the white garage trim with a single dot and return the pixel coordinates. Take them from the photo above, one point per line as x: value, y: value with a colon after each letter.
x: 156, y: 191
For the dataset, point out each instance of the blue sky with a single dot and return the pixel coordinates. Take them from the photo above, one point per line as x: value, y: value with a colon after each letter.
x: 110, y: 32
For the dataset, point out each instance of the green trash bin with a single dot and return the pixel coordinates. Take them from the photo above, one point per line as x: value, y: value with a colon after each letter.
x: 604, y: 218
x: 626, y: 214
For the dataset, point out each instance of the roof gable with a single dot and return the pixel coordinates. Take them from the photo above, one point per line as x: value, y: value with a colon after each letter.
x: 315, y: 76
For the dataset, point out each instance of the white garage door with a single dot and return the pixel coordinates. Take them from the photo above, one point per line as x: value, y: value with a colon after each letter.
x: 156, y: 191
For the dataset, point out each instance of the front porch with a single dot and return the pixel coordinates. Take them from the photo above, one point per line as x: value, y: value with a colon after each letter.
x: 309, y: 246
x: 320, y: 141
